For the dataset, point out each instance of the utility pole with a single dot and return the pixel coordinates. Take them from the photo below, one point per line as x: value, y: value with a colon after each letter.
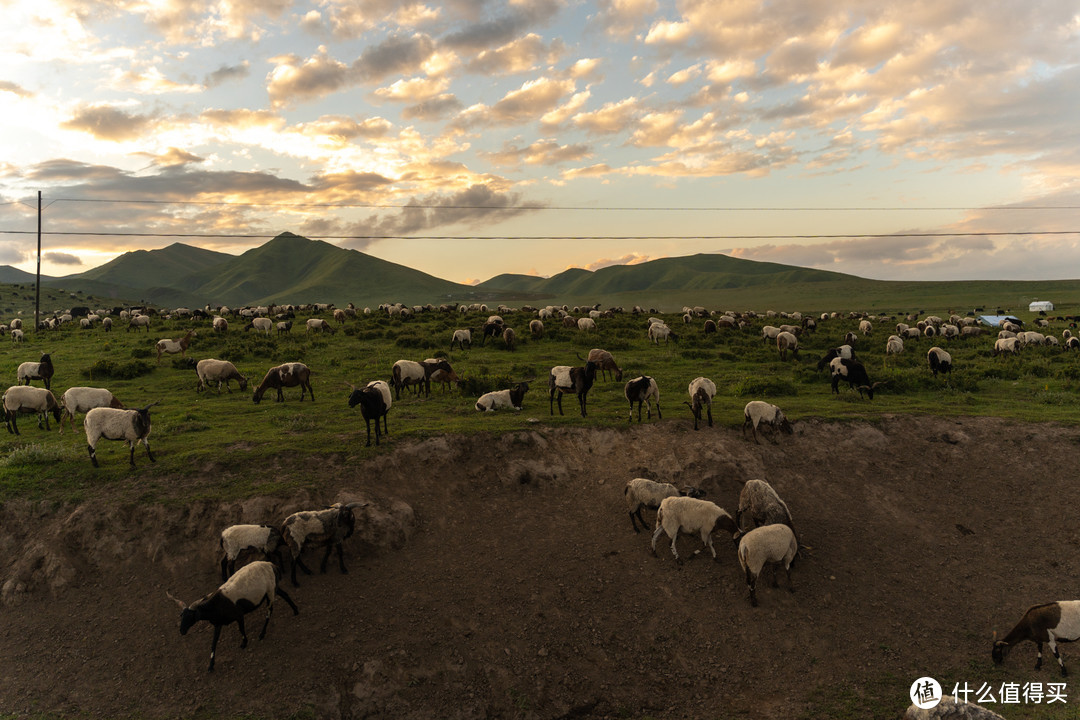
x: 37, y: 285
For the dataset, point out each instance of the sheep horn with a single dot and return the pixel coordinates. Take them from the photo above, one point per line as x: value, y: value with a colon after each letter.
x: 181, y: 603
x: 354, y: 505
x: 150, y: 405
x: 350, y: 386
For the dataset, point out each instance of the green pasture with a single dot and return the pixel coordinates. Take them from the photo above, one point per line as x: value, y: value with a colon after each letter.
x: 225, y: 446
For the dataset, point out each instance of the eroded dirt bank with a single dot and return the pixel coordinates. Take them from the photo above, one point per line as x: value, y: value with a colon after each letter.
x: 501, y: 578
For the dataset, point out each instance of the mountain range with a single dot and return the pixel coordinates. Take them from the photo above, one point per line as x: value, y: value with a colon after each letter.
x: 293, y: 269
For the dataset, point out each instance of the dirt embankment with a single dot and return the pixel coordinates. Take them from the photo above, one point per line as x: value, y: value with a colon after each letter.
x: 500, y: 577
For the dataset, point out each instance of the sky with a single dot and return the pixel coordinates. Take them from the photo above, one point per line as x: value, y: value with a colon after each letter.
x: 921, y: 140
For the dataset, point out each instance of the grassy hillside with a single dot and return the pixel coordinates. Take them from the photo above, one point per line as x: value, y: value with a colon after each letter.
x: 143, y: 269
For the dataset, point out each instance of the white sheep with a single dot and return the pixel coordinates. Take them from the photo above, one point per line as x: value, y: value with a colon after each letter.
x: 642, y: 492
x: 28, y: 400
x: 760, y: 502
x: 510, y: 399
x: 586, y: 324
x: 866, y: 327
x: 702, y: 391
x: 462, y: 338
x: 786, y: 341
x: 237, y: 540
x: 772, y: 544
x: 84, y: 399
x: 759, y: 412
x: 131, y: 426
x: 221, y: 325
x: 694, y: 517
x: 659, y: 331
x: 260, y: 324
x: 220, y: 371
x: 1006, y: 345
x: 894, y: 345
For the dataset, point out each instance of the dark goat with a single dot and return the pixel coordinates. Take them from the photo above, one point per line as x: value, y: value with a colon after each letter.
x: 283, y: 376
x: 374, y: 402
x: 642, y: 390
x: 577, y: 380
x: 250, y: 587
x: 316, y: 528
x: 490, y: 329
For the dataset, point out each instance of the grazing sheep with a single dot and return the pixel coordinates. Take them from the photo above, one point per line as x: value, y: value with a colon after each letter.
x: 510, y: 399
x: 319, y: 325
x: 246, y: 540
x: 786, y: 341
x: 25, y: 399
x: 131, y: 426
x: 866, y: 327
x: 709, y: 327
x: 410, y: 372
x: 758, y: 412
x: 692, y: 516
x: 659, y: 331
x: 642, y: 492
x: 462, y: 338
x: 854, y: 373
x: 1049, y: 623
x: 894, y: 345
x: 1073, y: 343
x: 84, y: 399
x: 165, y: 345
x: 1006, y: 345
x: 17, y: 336
x: 772, y: 544
x: 605, y: 362
x: 768, y: 333
x: 576, y: 380
x: 220, y: 325
x: 763, y: 505
x: 138, y: 321
x: 850, y: 338
x: 219, y: 371
x: 283, y: 376
x: 284, y: 327
x: 536, y: 329
x: 375, y: 402
x: 318, y: 528
x: 492, y: 328
x: 702, y: 391
x: 940, y: 361
x: 41, y: 370
x: 642, y: 390
x: 586, y: 324
x: 260, y: 324
x: 844, y: 351
x: 249, y: 588
x: 509, y: 338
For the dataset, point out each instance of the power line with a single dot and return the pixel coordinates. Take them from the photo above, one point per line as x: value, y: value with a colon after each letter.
x: 602, y: 208
x: 783, y: 236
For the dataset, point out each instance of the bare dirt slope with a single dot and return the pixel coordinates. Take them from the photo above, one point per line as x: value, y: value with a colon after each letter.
x: 501, y: 578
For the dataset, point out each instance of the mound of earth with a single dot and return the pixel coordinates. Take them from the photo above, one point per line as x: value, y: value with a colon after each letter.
x: 500, y: 577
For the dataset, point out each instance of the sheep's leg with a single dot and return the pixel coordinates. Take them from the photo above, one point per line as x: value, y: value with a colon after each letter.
x: 213, y: 646
x: 93, y: 455
x: 708, y: 543
x: 1038, y: 656
x: 341, y: 558
x: 1061, y: 663
x: 368, y: 424
x: 131, y: 455
x: 326, y: 557
x: 675, y: 552
x: 284, y: 596
x: 658, y: 415
x: 710, y: 416
x: 386, y: 429
x: 266, y: 623
x: 751, y: 582
x: 146, y: 442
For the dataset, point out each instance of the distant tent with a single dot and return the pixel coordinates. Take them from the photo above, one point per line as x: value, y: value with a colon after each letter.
x: 1041, y: 305
x: 996, y: 320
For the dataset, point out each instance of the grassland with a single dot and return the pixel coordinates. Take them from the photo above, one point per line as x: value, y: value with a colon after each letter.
x: 216, y: 443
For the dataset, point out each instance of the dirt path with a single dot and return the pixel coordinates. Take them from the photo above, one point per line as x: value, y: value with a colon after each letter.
x: 501, y: 578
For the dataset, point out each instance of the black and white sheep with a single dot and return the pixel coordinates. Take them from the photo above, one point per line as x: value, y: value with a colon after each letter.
x: 567, y: 379
x: 220, y: 371
x: 40, y: 370
x: 854, y: 374
x: 239, y: 542
x: 768, y: 544
x: 702, y: 391
x: 644, y: 493
x: 643, y: 390
x: 131, y: 426
x: 1048, y: 623
x: 692, y: 516
x: 283, y: 376
x: 249, y: 588
x: 844, y: 351
x: 375, y: 402
x: 758, y: 413
x: 318, y: 528
x: 939, y: 360
x: 23, y: 399
x: 410, y: 372
x: 510, y: 399
x: 83, y: 399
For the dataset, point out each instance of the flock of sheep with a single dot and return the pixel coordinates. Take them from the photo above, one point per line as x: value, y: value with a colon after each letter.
x: 771, y: 539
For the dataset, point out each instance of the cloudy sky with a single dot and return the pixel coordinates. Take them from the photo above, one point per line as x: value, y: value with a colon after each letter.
x: 931, y: 139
